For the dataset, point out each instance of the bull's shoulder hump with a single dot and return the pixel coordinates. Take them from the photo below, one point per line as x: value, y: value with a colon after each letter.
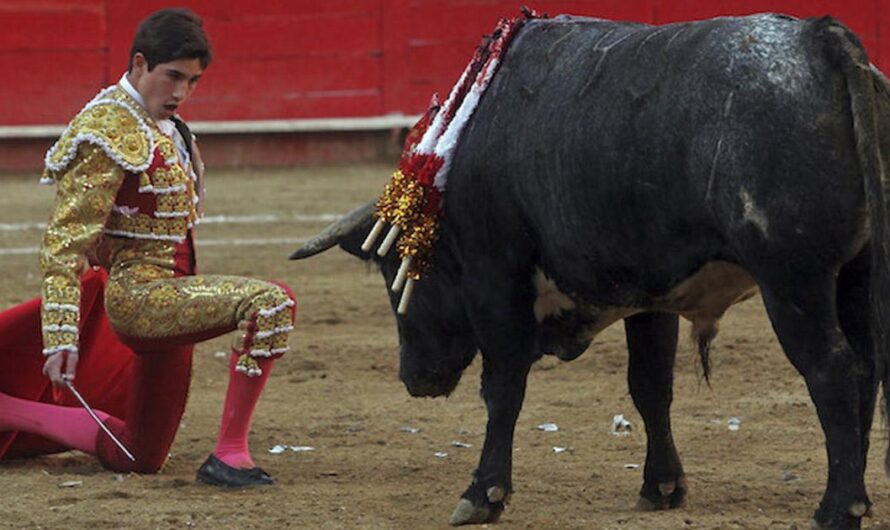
x: 567, y: 34
x: 564, y: 23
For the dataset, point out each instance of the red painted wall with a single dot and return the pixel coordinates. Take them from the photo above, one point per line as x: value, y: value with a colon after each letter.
x: 278, y: 59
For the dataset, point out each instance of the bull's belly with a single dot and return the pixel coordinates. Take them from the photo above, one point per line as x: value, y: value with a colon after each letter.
x: 702, y: 299
x: 708, y: 293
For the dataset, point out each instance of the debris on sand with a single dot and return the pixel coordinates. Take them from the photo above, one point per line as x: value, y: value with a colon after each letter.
x: 280, y: 448
x: 734, y: 423
x: 620, y: 426
x: 548, y: 427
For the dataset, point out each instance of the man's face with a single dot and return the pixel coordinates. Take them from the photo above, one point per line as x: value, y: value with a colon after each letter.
x: 166, y: 86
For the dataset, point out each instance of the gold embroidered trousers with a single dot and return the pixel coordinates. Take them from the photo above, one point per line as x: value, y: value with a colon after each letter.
x: 145, y: 304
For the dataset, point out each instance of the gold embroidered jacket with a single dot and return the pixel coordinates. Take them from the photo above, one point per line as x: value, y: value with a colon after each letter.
x: 120, y: 184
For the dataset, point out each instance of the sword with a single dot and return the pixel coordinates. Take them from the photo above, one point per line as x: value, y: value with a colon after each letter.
x: 92, y: 414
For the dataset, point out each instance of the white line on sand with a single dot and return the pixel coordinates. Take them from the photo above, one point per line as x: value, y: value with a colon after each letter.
x: 209, y: 220
x: 200, y: 243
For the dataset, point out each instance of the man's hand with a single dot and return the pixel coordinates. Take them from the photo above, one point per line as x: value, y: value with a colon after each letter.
x: 60, y: 366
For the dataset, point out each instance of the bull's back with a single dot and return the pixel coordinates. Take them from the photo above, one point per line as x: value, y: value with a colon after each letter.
x: 614, y: 143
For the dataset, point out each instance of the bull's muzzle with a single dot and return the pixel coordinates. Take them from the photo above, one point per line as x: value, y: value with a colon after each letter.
x: 430, y: 385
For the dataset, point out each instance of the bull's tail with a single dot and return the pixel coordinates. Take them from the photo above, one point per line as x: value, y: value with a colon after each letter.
x: 845, y: 50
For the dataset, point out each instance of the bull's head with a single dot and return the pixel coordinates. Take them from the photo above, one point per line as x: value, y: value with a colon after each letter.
x: 435, y: 337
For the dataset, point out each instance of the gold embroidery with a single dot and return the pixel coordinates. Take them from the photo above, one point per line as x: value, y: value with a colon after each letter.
x: 83, y: 199
x: 174, y: 198
x: 108, y: 124
x: 171, y: 229
x: 140, y: 306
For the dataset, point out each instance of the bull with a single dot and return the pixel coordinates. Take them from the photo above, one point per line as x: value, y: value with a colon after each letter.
x: 621, y: 171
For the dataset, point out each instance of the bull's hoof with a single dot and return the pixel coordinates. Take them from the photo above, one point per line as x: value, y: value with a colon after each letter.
x: 849, y: 519
x: 476, y: 507
x: 848, y: 525
x: 663, y: 496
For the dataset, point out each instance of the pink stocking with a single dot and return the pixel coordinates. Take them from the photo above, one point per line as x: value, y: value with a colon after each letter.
x: 241, y: 399
x: 69, y: 426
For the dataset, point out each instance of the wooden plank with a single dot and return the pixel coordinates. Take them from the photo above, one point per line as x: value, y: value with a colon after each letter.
x: 395, y: 69
x: 236, y: 10
x: 235, y: 28
x: 307, y: 86
x: 52, y: 85
x: 439, y: 38
x: 462, y: 20
x: 26, y: 26
x: 24, y: 154
x: 297, y: 105
x: 299, y: 59
x: 282, y: 75
x: 283, y: 36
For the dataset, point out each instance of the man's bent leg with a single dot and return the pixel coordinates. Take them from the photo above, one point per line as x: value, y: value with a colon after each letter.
x: 154, y: 409
x: 71, y: 427
x: 269, y: 320
x: 200, y: 307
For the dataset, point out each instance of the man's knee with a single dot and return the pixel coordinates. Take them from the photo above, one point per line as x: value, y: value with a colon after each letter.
x: 150, y: 457
x: 265, y: 331
x: 292, y: 306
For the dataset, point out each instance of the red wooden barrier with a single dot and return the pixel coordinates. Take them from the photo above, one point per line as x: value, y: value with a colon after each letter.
x: 278, y: 59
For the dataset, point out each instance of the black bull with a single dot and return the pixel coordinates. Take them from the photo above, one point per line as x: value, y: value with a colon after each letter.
x: 623, y: 171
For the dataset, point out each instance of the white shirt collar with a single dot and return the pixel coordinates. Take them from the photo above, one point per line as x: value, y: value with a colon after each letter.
x: 131, y: 90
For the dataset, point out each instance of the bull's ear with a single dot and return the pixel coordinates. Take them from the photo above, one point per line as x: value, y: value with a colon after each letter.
x: 348, y: 232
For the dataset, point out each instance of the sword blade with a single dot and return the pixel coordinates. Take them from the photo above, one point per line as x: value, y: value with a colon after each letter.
x: 102, y: 426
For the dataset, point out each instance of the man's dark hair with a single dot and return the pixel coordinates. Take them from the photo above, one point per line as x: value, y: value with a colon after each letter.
x: 169, y: 35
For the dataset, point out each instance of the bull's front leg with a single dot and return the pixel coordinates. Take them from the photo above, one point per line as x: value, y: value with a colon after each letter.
x: 652, y: 345
x: 503, y: 389
x: 501, y: 310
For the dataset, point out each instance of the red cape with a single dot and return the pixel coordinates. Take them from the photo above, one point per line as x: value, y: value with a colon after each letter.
x: 103, y: 370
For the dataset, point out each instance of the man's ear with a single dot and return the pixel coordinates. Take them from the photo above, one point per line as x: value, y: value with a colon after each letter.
x: 139, y: 64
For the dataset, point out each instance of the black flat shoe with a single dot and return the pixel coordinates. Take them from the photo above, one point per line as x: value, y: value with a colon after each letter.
x: 217, y: 473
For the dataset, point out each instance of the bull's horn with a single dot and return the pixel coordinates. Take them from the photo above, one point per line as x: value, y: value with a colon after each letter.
x: 331, y: 235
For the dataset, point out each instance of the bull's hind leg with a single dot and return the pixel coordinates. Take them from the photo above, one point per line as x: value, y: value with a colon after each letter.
x: 804, y: 314
x: 652, y: 345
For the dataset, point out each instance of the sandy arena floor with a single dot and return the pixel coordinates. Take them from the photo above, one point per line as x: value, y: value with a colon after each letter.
x: 338, y: 391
